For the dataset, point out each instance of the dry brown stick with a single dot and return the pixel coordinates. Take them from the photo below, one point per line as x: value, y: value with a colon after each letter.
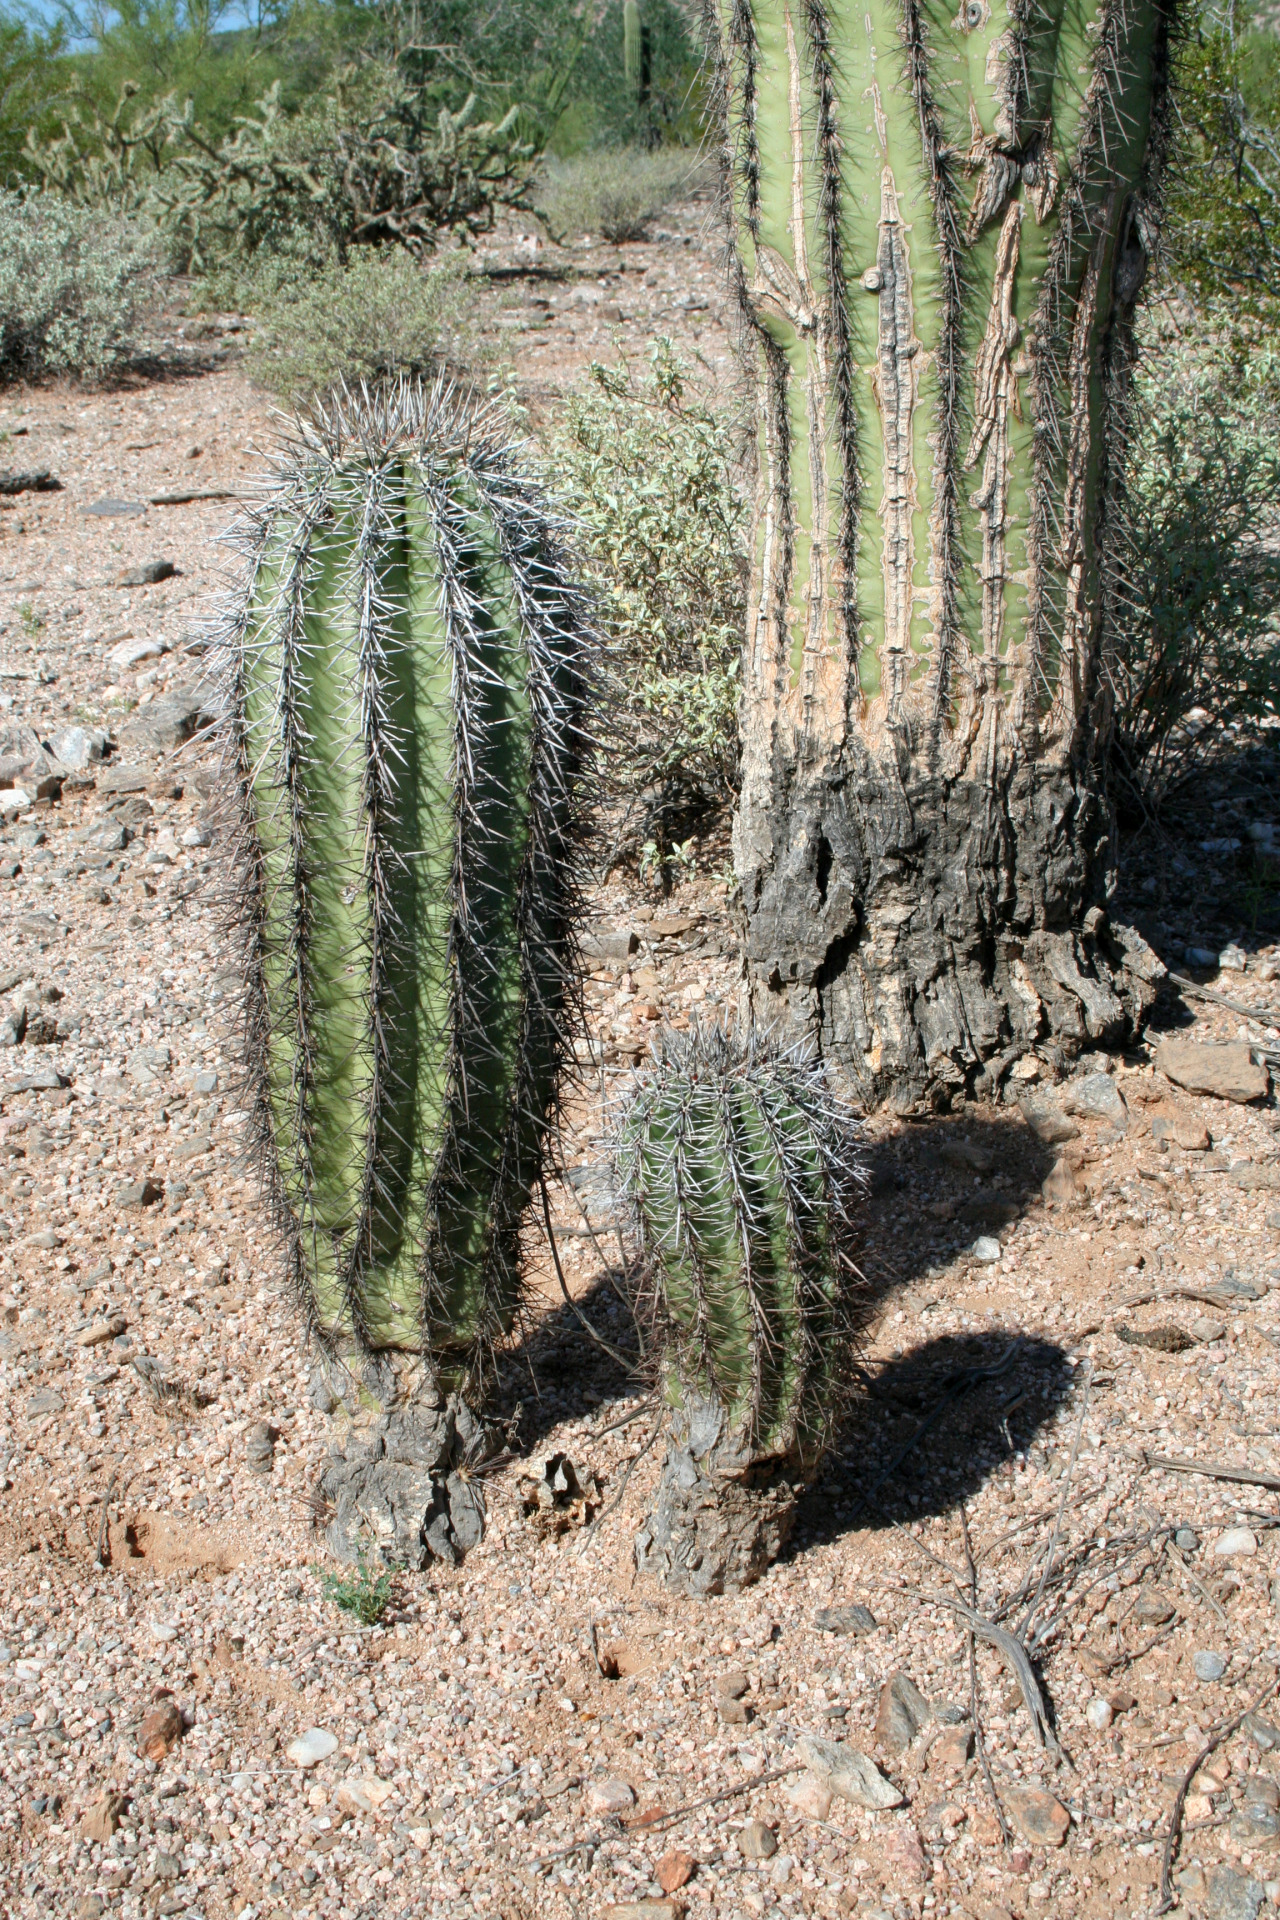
x: 1195, y: 1581
x: 980, y: 1744
x: 677, y: 1813
x: 98, y: 1560
x: 1175, y: 1818
x: 628, y: 1366
x: 631, y: 1466
x: 1212, y: 1470
x: 1030, y: 1613
x: 1266, y: 1015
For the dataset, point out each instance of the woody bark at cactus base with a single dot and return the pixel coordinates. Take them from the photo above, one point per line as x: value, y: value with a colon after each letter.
x: 941, y: 222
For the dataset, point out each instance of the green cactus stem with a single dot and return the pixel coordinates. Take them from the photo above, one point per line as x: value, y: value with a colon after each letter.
x: 632, y: 45
x: 743, y: 1175
x: 406, y: 744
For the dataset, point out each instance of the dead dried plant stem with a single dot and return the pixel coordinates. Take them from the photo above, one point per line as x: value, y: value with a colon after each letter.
x: 1175, y: 1818
x: 1030, y: 1614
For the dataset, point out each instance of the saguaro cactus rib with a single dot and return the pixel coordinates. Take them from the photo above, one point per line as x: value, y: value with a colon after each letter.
x: 406, y: 674
x: 743, y: 1175
x: 940, y: 219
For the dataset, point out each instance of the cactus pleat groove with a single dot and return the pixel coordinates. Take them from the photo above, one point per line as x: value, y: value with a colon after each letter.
x: 941, y: 219
x: 406, y: 734
x: 742, y: 1172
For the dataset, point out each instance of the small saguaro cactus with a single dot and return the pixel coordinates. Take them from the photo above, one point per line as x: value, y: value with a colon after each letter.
x: 632, y: 44
x: 743, y: 1175
x: 406, y: 697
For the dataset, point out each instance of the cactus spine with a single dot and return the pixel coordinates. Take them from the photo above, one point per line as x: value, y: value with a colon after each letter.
x: 742, y: 1173
x: 406, y: 700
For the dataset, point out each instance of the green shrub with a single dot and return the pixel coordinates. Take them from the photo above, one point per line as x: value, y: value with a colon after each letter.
x: 383, y: 313
x: 1201, y: 591
x: 364, y: 1594
x: 371, y: 159
x: 73, y: 287
x: 651, y: 471
x: 617, y: 192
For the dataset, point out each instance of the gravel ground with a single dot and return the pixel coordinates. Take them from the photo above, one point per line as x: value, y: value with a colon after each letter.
x: 536, y: 1732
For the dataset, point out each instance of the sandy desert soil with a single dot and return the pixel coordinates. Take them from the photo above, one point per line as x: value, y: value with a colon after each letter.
x: 537, y: 1732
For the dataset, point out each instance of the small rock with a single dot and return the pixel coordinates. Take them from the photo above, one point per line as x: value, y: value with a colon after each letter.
x: 733, y: 1713
x: 1233, y: 959
x: 1259, y: 1788
x: 1235, y: 1541
x: 1099, y: 1713
x: 608, y: 1796
x: 1186, y: 1540
x: 965, y: 1157
x: 1181, y: 1132
x: 609, y: 946
x: 79, y: 747
x: 1254, y: 1179
x: 952, y: 1749
x: 1256, y: 1824
x: 38, y: 480
x: 90, y: 1906
x: 1209, y: 1666
x: 808, y: 1797
x: 1047, y: 1121
x: 99, y: 1331
x: 1264, y: 1735
x: 902, y: 1712
x: 1037, y: 1815
x: 1099, y: 1098
x: 320, y: 1393
x: 1231, y: 1896
x: 1223, y: 1069
x: 1061, y: 1185
x: 733, y: 1684
x: 674, y: 1870
x: 311, y: 1747
x: 844, y: 1770
x: 903, y: 1854
x: 1154, y: 1609
x: 985, y: 1250
x: 46, y: 1402
x: 139, y: 1193
x: 1205, y: 1330
x: 353, y: 1798
x: 102, y: 1819
x: 259, y: 1446
x: 160, y: 1731
x: 168, y: 1866
x: 109, y: 509
x: 643, y: 1910
x: 758, y: 1841
x: 855, y: 1619
x: 149, y: 575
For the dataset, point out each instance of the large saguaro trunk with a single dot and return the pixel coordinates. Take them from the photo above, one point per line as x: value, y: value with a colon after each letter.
x: 941, y: 221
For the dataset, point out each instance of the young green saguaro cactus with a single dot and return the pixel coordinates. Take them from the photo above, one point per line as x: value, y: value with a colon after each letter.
x: 743, y: 1174
x: 406, y: 739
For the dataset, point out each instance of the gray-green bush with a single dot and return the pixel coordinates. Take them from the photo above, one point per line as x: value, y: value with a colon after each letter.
x: 381, y: 314
x: 651, y: 472
x: 1202, y: 581
x: 617, y: 192
x: 74, y: 287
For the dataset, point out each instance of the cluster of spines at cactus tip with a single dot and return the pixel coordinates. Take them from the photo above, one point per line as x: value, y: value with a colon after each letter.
x: 405, y: 655
x: 743, y: 1172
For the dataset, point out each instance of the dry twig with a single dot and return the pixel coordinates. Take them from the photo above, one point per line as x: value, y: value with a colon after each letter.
x: 1212, y: 1470
x: 1175, y: 1818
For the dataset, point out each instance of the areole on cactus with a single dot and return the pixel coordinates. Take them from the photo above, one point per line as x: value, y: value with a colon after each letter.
x: 406, y: 680
x: 743, y: 1175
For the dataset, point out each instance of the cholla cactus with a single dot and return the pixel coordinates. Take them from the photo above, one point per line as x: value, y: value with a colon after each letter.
x: 743, y: 1174
x: 406, y: 739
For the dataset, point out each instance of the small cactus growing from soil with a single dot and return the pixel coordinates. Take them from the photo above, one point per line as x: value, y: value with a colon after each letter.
x: 743, y: 1176
x: 406, y: 745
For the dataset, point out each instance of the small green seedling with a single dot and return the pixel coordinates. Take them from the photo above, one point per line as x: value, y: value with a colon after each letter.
x: 362, y: 1593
